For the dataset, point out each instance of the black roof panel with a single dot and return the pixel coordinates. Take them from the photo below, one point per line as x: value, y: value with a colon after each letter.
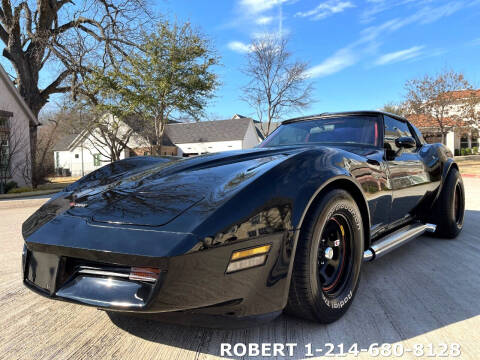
x: 331, y: 114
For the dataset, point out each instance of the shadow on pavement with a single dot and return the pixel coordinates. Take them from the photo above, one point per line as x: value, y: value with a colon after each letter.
x: 421, y: 287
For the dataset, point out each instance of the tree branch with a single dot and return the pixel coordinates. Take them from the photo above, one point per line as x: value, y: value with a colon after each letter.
x: 73, y: 24
x: 28, y: 15
x: 54, y: 87
x: 3, y: 35
x: 7, y: 12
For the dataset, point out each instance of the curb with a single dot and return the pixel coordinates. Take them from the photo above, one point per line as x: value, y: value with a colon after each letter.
x: 27, y: 194
x: 475, y: 176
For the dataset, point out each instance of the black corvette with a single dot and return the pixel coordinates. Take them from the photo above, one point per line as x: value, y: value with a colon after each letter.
x: 285, y: 225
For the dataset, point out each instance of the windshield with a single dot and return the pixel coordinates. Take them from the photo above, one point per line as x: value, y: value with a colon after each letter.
x: 343, y: 129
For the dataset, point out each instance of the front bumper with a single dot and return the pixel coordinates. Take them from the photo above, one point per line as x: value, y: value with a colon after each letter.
x: 194, y: 282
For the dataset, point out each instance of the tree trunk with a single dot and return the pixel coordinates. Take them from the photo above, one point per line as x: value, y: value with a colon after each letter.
x: 269, y: 119
x: 29, y: 92
x: 33, y: 155
x: 160, y: 132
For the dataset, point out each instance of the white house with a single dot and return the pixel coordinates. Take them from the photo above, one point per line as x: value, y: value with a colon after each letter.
x: 79, y: 154
x: 213, y: 136
x: 76, y: 156
x: 16, y: 118
x: 462, y: 132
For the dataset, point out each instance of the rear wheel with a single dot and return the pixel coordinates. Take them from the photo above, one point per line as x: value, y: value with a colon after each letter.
x: 450, y: 207
x: 328, y: 259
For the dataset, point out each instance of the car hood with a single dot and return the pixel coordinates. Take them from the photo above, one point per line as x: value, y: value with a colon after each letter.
x: 156, y: 194
x: 154, y: 191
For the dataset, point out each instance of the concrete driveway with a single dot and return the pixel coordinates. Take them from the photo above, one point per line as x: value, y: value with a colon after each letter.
x: 427, y: 292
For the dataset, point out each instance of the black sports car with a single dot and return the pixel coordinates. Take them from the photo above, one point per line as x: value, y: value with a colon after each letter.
x: 285, y: 225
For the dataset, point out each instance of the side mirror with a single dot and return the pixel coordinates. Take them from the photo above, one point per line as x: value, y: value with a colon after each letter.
x: 405, y: 142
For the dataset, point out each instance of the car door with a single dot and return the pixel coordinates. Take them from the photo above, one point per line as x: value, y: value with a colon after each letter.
x: 407, y: 176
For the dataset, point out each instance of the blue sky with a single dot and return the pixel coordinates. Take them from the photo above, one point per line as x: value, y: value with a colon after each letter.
x: 360, y: 52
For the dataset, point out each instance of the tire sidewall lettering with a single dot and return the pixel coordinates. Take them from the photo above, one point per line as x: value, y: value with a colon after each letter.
x: 344, y: 298
x: 334, y: 304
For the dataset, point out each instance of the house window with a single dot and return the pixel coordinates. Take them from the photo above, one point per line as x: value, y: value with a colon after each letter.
x: 4, y: 147
x: 4, y: 154
x: 464, y: 141
x: 96, y: 160
x: 77, y: 156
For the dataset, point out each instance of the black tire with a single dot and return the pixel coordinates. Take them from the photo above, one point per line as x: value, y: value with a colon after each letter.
x: 313, y: 294
x: 449, y: 210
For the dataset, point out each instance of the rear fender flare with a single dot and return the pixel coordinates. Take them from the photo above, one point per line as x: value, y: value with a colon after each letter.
x: 447, y: 166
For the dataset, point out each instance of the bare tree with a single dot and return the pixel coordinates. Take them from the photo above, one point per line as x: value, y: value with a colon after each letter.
x: 105, y: 133
x: 66, y: 36
x: 277, y: 84
x: 47, y: 136
x: 393, y: 108
x: 436, y: 97
x: 110, y: 133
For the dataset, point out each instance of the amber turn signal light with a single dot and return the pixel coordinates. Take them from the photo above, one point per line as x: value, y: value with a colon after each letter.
x: 241, y: 254
x: 248, y: 258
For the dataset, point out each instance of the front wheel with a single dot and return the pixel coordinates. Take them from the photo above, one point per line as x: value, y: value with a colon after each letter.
x: 328, y: 259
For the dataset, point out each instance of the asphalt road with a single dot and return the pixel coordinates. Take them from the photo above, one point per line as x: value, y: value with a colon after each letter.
x: 427, y: 292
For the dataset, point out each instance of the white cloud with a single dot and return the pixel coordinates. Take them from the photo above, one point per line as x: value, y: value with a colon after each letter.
x: 261, y: 34
x: 474, y: 42
x: 326, y: 9
x: 434, y: 14
x: 426, y: 11
x: 400, y: 55
x: 239, y: 47
x: 423, y: 16
x: 264, y: 20
x: 379, y: 6
x: 259, y: 6
x: 372, y: 37
x: 342, y: 59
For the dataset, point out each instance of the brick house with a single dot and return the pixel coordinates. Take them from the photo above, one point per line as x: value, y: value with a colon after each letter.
x: 462, y: 132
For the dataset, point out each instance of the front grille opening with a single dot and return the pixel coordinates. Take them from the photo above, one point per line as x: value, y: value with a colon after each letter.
x: 70, y: 268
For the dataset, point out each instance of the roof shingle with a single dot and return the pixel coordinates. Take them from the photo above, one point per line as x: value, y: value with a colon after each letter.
x: 208, y: 131
x: 424, y: 121
x: 64, y: 142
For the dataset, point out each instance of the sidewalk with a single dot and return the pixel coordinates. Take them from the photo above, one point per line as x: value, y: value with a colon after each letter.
x: 469, y: 168
x: 28, y: 195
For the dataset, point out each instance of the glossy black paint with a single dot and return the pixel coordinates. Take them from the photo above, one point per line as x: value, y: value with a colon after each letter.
x: 187, y: 216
